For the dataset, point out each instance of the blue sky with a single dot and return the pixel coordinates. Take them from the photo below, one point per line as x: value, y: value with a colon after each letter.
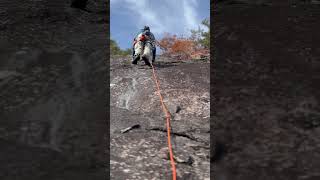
x: 173, y: 16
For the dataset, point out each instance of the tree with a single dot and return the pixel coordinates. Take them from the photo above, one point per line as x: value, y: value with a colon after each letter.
x: 126, y: 52
x: 180, y: 47
x: 201, y: 37
x: 205, y: 41
x: 195, y: 47
x: 115, y: 49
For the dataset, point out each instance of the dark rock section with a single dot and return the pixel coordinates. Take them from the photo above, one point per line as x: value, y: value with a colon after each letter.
x: 52, y: 98
x: 265, y: 89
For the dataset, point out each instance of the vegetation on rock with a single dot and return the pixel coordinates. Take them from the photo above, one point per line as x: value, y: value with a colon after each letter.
x: 116, y: 50
x: 195, y: 47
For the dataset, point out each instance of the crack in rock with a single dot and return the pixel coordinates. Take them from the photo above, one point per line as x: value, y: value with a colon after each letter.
x: 181, y: 134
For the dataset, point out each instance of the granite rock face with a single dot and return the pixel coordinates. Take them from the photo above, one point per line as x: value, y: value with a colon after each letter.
x: 142, y: 153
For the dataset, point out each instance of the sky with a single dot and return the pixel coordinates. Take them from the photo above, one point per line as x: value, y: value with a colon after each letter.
x: 178, y: 17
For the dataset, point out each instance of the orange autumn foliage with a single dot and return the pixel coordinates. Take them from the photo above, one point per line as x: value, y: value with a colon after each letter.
x: 181, y: 48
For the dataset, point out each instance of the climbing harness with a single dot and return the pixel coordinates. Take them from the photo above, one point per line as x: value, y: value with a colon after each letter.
x: 168, y: 117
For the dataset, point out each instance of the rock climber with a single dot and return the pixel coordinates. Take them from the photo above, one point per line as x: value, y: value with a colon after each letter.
x: 144, y: 46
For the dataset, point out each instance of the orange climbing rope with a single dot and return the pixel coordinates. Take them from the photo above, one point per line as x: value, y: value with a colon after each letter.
x: 168, y: 117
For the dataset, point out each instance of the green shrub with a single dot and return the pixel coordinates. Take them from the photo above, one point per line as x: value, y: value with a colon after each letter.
x: 116, y: 50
